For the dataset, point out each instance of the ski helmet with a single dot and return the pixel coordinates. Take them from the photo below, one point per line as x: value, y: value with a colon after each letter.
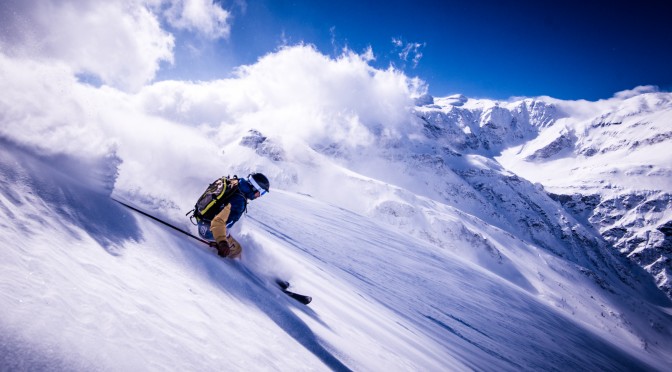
x: 260, y: 182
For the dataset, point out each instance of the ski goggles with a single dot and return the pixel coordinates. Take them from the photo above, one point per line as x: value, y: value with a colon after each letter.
x: 256, y: 186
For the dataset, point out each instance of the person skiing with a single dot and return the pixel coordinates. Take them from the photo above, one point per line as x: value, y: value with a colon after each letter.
x: 229, y: 210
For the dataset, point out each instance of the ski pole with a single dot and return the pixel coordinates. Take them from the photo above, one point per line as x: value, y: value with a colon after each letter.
x: 163, y: 222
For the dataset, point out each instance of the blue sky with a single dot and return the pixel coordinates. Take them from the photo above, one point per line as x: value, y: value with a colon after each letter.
x: 491, y: 49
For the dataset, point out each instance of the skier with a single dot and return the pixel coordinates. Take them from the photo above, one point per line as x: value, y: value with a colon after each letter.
x: 229, y: 211
x: 218, y: 208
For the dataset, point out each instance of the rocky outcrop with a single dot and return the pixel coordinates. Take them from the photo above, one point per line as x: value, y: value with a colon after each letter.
x: 634, y: 223
x: 262, y: 145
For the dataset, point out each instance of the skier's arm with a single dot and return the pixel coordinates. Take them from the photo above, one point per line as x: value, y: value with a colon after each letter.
x: 237, y: 206
x: 218, y: 224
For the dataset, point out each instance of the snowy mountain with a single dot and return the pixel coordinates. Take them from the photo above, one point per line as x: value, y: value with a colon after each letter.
x: 606, y: 162
x: 429, y: 231
x: 611, y: 169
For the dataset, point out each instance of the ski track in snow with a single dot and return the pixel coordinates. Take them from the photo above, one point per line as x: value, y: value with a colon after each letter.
x: 88, y: 285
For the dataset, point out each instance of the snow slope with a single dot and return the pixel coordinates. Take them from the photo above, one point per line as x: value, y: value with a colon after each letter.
x: 86, y: 284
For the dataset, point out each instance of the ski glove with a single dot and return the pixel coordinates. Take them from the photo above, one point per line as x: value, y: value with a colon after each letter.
x: 223, y: 248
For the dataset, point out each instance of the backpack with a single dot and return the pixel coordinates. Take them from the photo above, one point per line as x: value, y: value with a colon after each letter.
x: 217, y: 195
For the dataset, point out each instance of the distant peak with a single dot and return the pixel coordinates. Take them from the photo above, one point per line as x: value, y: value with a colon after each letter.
x: 424, y: 100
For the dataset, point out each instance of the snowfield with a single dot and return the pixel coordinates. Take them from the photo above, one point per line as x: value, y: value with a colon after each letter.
x: 89, y: 285
x: 433, y: 234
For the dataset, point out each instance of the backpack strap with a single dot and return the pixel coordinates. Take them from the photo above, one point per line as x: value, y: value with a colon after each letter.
x: 235, y: 181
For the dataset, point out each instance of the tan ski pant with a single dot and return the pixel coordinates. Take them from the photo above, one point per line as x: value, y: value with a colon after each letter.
x: 218, y: 228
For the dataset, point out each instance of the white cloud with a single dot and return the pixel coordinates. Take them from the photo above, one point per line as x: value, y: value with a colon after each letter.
x: 625, y: 94
x: 297, y: 92
x: 202, y: 16
x: 119, y: 41
x: 409, y: 50
x: 368, y: 55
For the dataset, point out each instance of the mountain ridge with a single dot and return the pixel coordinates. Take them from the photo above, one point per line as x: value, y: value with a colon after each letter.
x: 532, y: 133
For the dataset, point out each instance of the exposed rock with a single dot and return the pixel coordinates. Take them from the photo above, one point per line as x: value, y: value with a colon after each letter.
x: 634, y: 224
x: 262, y: 145
x: 563, y: 143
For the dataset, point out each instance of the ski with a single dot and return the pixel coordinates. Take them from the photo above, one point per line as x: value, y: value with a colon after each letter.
x: 283, y: 284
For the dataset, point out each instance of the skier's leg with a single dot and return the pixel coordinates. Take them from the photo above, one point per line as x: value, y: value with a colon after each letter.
x: 236, y: 248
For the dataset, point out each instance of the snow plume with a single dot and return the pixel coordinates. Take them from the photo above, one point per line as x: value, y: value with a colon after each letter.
x: 48, y: 112
x: 46, y: 109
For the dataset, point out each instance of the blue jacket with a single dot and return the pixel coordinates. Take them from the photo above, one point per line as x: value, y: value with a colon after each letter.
x: 238, y: 201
